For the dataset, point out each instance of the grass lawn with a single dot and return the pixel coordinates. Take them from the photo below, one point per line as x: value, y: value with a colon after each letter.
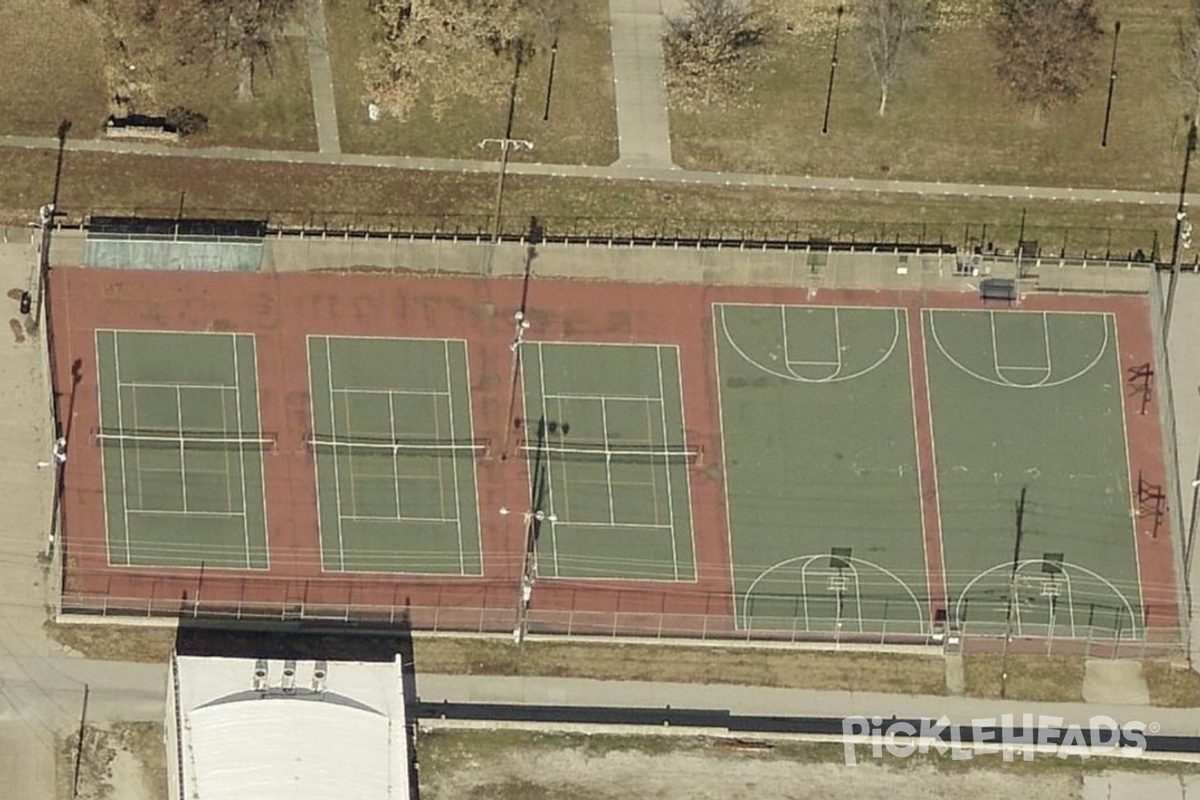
x: 950, y: 119
x: 582, y: 128
x: 52, y: 60
x: 279, y: 118
x: 53, y: 56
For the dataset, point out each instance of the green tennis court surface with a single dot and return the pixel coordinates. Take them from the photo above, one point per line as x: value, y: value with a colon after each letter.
x: 822, y: 487
x: 608, y: 460
x: 182, y: 449
x: 395, y: 455
x: 1032, y: 401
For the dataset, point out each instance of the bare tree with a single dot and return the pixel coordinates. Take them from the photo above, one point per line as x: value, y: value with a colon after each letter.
x: 163, y: 34
x: 1186, y: 68
x: 891, y: 29
x: 1046, y: 49
x: 707, y: 48
x: 447, y: 49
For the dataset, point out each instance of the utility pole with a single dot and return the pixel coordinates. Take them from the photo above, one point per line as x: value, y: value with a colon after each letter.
x: 550, y: 80
x: 1012, y: 593
x: 833, y: 62
x: 1183, y: 229
x: 1112, y: 80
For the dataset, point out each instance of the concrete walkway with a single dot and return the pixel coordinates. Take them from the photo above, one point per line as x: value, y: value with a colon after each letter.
x: 321, y: 77
x: 643, y: 128
x: 666, y: 176
x: 765, y: 701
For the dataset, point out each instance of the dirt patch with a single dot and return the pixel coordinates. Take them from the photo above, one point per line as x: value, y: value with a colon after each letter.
x: 125, y: 761
x: 513, y: 765
x: 115, y: 642
x: 1029, y: 678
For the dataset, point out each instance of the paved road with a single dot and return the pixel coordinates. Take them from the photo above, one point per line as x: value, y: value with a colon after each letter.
x: 638, y: 80
x: 321, y: 78
x: 666, y: 176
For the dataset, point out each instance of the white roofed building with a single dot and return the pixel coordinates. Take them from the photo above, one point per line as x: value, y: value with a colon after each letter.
x: 246, y: 729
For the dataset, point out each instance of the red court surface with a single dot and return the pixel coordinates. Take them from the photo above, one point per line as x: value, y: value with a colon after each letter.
x: 281, y: 310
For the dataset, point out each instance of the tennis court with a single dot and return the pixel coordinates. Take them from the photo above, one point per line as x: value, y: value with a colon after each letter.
x: 608, y: 461
x: 182, y: 449
x: 1029, y: 425
x: 822, y: 486
x: 395, y: 454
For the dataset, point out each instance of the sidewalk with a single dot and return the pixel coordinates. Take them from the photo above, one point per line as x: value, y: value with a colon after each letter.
x: 656, y: 174
x: 643, y: 128
x: 761, y: 701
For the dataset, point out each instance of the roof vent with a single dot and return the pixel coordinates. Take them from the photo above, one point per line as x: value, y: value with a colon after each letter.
x: 260, y: 674
x: 320, y: 671
x: 289, y: 675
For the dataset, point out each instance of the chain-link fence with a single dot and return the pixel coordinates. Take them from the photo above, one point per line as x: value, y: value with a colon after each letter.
x: 991, y: 238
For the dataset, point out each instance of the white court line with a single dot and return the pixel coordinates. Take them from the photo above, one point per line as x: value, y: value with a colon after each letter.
x: 462, y: 558
x: 542, y: 460
x: 337, y: 478
x: 687, y: 478
x: 395, y: 453
x: 173, y: 385
x: 598, y: 397
x: 121, y: 422
x: 614, y: 526
x: 662, y: 415
x: 612, y: 517
x: 241, y: 450
x: 262, y: 476
x: 182, y: 455
x: 415, y: 392
x: 156, y: 512
x: 382, y: 518
x: 312, y: 417
x: 1111, y: 319
x: 1000, y: 370
x: 791, y: 376
x: 474, y: 462
x: 1008, y: 384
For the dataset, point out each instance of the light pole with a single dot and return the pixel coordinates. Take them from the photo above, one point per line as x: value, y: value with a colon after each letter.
x: 833, y: 62
x: 532, y: 520
x: 550, y: 80
x: 506, y: 145
x: 1182, y: 229
x: 1112, y: 79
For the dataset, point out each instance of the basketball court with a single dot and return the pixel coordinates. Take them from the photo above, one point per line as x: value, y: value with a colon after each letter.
x: 1029, y: 422
x: 1030, y: 470
x: 824, y: 497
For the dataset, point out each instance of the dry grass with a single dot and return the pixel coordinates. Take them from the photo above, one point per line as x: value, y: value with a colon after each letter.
x: 279, y: 118
x: 784, y: 668
x: 353, y: 196
x: 122, y: 760
x: 1171, y: 685
x: 115, y: 642
x: 582, y: 128
x: 51, y: 60
x: 950, y: 119
x: 1029, y: 677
